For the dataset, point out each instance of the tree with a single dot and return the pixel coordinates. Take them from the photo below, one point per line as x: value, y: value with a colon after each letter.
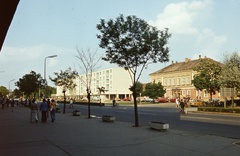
x: 65, y: 80
x: 154, y: 90
x: 139, y: 88
x: 88, y: 63
x: 133, y: 44
x: 207, y: 77
x: 3, y: 91
x: 230, y: 74
x: 231, y: 71
x: 30, y: 83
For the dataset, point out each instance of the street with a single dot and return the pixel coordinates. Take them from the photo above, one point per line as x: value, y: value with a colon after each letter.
x: 224, y: 125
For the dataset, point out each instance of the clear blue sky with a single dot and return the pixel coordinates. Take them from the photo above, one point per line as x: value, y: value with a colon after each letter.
x: 56, y: 27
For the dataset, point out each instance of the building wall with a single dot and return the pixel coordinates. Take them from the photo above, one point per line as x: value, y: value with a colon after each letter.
x: 178, y: 84
x: 115, y: 80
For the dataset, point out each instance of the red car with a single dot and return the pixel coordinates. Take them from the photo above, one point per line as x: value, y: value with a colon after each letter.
x: 161, y: 100
x: 127, y: 99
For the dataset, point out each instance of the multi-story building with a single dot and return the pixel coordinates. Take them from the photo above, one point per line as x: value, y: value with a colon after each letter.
x: 177, y: 77
x: 116, y: 82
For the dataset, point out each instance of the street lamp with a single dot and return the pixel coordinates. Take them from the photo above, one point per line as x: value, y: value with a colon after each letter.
x: 45, y: 81
x: 9, y: 86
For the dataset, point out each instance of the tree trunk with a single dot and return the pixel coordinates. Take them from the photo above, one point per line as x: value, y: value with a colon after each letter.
x: 89, y: 112
x: 64, y: 102
x: 135, y: 106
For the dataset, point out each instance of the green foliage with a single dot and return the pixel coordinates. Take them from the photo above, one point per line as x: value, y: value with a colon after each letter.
x: 3, y: 91
x: 208, y: 76
x: 132, y: 43
x: 139, y: 88
x: 230, y: 76
x: 154, y: 90
x: 65, y: 79
x: 30, y: 83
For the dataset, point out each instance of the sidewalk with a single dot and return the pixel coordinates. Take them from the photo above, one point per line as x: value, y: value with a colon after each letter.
x: 77, y: 135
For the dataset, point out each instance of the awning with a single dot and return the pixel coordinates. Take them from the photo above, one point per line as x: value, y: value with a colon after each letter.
x: 7, y: 11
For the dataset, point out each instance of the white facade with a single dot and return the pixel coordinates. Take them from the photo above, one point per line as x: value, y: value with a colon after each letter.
x: 116, y: 82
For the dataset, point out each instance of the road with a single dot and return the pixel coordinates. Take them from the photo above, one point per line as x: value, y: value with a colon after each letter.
x: 205, y: 123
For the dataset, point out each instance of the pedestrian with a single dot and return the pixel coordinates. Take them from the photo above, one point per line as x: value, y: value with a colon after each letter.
x: 49, y: 106
x: 12, y: 104
x: 182, y: 106
x: 53, y: 110
x: 177, y: 102
x: 114, y: 102
x: 2, y: 101
x: 71, y: 103
x: 34, y: 111
x: 44, y: 109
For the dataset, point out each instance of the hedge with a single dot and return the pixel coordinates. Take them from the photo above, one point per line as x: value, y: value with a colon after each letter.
x: 217, y: 109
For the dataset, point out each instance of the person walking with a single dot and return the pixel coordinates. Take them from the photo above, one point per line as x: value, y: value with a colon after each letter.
x: 53, y: 110
x: 182, y: 106
x: 44, y: 109
x: 34, y: 111
x: 71, y: 103
x: 177, y: 102
x: 12, y: 104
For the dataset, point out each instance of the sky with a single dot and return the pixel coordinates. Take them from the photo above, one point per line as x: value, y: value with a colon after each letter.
x: 59, y: 27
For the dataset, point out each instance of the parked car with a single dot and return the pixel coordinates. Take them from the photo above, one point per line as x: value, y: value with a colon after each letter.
x: 127, y: 99
x: 195, y: 102
x: 147, y: 100
x: 161, y: 100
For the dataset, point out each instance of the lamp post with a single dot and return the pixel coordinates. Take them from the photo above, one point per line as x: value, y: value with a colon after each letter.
x: 9, y: 87
x: 45, y: 81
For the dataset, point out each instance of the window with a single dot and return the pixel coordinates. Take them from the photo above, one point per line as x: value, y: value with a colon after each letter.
x: 169, y: 82
x: 165, y: 82
x: 183, y: 81
x: 179, y: 81
x: 188, y: 80
x: 173, y: 81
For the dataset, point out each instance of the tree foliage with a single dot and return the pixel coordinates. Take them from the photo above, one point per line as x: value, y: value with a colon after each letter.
x: 65, y: 79
x: 132, y: 43
x: 230, y: 75
x: 30, y: 83
x: 139, y: 88
x: 207, y: 77
x: 3, y: 91
x: 154, y: 90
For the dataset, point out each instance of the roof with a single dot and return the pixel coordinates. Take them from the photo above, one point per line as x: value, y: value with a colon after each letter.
x: 188, y: 64
x: 7, y: 10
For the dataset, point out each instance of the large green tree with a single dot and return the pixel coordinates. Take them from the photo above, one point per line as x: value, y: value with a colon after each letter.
x: 154, y: 90
x: 30, y: 83
x: 133, y: 44
x: 65, y: 80
x: 207, y: 77
x: 3, y: 91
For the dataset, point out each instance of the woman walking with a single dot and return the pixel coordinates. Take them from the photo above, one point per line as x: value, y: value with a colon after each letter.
x: 53, y: 110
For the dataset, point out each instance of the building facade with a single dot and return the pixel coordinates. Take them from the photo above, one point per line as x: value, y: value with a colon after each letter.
x: 177, y: 80
x: 116, y: 82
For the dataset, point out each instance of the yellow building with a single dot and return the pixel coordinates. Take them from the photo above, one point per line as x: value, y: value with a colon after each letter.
x: 177, y: 77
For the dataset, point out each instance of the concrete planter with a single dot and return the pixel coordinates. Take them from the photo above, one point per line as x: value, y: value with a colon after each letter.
x: 158, y: 125
x: 107, y: 118
x: 75, y: 113
x: 58, y: 110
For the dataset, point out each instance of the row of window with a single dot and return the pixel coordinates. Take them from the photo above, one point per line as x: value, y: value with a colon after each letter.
x: 176, y: 81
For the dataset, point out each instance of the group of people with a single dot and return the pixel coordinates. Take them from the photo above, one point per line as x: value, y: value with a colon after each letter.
x: 6, y: 101
x: 45, y: 107
x: 180, y: 103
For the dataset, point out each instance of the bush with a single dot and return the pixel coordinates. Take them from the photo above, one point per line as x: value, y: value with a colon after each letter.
x: 218, y: 109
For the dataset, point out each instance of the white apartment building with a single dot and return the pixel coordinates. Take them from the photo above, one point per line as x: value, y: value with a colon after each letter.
x: 116, y: 82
